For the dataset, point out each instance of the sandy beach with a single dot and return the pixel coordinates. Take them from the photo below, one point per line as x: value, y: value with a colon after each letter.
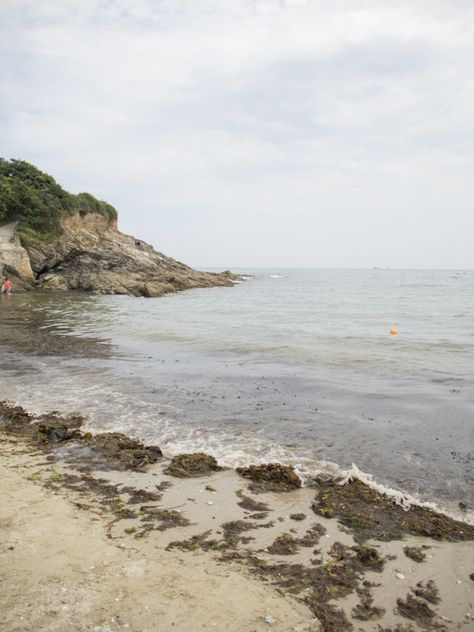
x: 90, y: 546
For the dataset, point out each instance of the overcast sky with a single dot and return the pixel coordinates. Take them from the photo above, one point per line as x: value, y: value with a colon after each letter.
x: 231, y: 133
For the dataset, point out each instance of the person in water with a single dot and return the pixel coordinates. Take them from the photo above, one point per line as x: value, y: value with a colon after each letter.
x: 7, y: 286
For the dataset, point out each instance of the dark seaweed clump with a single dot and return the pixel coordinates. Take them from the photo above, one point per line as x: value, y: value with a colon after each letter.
x: 370, y: 514
x: 119, y: 500
x: 106, y: 450
x: 156, y: 519
x: 40, y: 431
x: 190, y: 465
x: 195, y: 543
x: 273, y: 477
x: 232, y: 537
x: 250, y: 504
x: 415, y: 553
x: 366, y: 611
x: 332, y: 619
x: 428, y: 591
x: 417, y: 610
x: 117, y: 451
x: 285, y: 544
x: 297, y: 516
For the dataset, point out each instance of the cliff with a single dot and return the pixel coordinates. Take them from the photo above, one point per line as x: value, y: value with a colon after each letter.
x: 91, y: 254
x: 53, y: 239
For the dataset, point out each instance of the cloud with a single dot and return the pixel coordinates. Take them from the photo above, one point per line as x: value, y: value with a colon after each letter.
x: 343, y: 114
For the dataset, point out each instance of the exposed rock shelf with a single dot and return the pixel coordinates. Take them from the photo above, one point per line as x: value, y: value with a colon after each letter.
x: 91, y: 254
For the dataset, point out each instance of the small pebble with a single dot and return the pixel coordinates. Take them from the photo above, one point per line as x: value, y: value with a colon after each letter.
x: 399, y: 576
x: 209, y: 502
x: 269, y: 619
x: 458, y: 581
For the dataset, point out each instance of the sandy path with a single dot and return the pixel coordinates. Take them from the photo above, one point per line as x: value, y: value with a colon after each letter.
x: 6, y: 234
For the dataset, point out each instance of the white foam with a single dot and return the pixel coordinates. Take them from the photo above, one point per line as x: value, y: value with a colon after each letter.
x: 402, y: 499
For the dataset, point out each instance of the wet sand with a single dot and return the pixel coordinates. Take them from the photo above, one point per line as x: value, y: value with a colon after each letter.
x: 86, y: 546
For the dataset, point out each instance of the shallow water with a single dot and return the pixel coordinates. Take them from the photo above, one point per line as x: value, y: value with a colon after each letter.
x: 293, y: 365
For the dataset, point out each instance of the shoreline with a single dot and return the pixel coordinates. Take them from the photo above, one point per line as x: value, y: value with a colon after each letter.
x: 323, y: 563
x: 243, y: 408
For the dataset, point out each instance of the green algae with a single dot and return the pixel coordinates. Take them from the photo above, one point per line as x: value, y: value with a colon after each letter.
x: 370, y: 514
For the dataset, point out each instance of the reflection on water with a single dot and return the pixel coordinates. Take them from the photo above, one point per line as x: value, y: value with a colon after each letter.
x: 46, y: 323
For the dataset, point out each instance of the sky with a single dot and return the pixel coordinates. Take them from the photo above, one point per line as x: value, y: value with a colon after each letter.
x: 254, y: 133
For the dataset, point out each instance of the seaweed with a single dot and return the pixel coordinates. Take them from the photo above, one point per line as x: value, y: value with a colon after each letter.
x: 366, y: 611
x: 191, y: 465
x: 156, y: 519
x: 428, y: 591
x: 332, y: 619
x: 370, y: 514
x: 415, y: 553
x: 234, y: 529
x: 284, y: 544
x: 252, y: 505
x: 273, y: 477
x: 297, y: 516
x: 111, y: 450
x: 417, y: 610
x: 340, y: 551
x: 194, y: 543
x: 137, y: 496
x: 369, y: 558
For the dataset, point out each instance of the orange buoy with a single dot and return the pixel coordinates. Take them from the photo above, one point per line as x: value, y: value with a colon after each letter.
x: 393, y: 331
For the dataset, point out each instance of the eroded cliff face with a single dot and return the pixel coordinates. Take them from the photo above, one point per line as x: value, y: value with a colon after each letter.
x: 93, y: 255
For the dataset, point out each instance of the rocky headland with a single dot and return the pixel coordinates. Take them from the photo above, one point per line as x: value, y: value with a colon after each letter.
x: 57, y: 241
x: 91, y: 254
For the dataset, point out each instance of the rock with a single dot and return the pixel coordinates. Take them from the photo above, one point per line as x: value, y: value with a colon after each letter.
x: 92, y: 255
x: 272, y: 476
x: 189, y: 465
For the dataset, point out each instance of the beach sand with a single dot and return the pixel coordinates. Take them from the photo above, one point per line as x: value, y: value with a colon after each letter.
x: 60, y: 571
x: 80, y: 557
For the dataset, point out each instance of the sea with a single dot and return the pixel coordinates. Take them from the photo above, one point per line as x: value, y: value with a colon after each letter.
x: 362, y: 372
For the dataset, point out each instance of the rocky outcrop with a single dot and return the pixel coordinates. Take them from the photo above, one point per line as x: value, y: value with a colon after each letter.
x: 91, y: 254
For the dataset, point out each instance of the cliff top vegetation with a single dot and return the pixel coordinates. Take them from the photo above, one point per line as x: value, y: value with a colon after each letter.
x: 37, y: 202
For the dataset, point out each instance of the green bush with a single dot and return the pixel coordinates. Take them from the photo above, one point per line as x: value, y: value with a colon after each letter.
x: 35, y: 200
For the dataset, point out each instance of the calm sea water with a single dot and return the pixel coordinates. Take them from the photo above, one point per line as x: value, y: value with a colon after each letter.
x: 293, y: 365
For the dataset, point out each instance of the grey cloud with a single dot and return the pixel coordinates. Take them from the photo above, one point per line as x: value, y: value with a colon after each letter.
x: 223, y: 117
